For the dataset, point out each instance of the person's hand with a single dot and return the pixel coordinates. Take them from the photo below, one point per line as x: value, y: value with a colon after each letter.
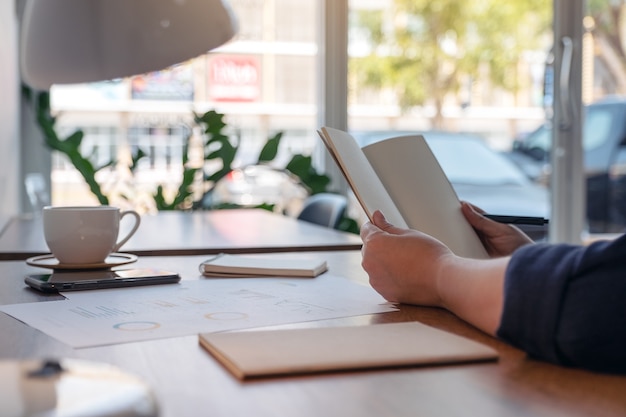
x: 408, y: 266
x: 403, y: 265
x: 499, y: 239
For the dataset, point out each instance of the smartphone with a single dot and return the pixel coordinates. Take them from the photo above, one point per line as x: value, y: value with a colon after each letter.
x: 98, y: 279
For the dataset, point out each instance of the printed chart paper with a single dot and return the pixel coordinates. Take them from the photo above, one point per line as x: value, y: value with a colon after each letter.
x: 105, y: 317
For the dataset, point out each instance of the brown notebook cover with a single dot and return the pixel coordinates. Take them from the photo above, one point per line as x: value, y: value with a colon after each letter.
x: 295, y: 351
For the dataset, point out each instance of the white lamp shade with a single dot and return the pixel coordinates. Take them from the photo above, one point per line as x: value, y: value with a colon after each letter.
x: 75, y: 41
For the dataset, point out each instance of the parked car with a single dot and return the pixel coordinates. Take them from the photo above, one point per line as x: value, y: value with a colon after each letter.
x: 481, y: 175
x: 604, y: 147
x: 254, y: 185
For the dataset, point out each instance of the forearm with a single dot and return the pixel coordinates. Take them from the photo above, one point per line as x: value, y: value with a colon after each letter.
x: 473, y: 290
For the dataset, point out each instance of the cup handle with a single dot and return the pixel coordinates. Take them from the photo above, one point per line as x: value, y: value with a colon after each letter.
x: 137, y: 217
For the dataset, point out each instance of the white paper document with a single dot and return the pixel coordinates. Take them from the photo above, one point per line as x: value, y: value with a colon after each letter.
x: 104, y: 317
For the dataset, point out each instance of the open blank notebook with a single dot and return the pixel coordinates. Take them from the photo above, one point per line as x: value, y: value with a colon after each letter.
x: 402, y: 178
x: 260, y: 353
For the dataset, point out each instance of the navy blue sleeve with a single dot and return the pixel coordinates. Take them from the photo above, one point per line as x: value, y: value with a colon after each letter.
x: 566, y: 304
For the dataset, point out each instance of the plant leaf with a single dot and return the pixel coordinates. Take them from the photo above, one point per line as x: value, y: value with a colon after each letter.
x: 270, y: 150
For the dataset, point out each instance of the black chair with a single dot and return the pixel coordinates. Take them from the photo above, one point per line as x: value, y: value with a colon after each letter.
x: 325, y: 209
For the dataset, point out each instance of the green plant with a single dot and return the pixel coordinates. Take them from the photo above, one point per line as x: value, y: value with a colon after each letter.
x: 70, y: 146
x: 219, y: 147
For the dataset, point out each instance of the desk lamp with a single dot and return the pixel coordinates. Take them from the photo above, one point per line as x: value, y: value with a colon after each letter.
x: 77, y: 41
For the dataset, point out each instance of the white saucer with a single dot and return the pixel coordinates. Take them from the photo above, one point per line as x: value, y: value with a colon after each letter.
x: 114, y: 259
x: 72, y: 387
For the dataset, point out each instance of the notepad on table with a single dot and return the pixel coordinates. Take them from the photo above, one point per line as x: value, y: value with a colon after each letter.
x: 260, y: 353
x: 229, y: 265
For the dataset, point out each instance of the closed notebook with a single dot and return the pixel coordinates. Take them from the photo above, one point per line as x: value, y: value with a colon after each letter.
x: 227, y: 265
x: 260, y: 353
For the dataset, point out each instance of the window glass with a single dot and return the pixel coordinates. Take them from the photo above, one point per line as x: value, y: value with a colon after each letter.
x: 444, y: 65
x: 295, y: 81
x: 597, y: 127
x: 475, y: 67
x: 541, y: 138
x: 263, y: 82
x: 301, y: 17
x: 468, y: 161
x: 455, y: 71
x: 461, y: 66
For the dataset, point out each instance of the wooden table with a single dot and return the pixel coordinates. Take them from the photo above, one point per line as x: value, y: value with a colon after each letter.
x: 196, y: 233
x: 189, y: 382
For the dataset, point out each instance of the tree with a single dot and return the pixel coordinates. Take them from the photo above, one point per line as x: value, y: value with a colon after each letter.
x: 422, y: 50
x: 607, y: 28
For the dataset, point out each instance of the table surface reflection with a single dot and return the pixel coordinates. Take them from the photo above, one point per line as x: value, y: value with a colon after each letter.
x: 196, y: 233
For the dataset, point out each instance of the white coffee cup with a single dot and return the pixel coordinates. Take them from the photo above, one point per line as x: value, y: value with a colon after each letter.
x: 86, y: 234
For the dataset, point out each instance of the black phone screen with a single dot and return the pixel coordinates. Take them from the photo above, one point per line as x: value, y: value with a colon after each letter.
x: 97, y: 279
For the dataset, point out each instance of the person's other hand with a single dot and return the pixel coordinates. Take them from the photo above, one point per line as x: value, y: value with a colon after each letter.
x: 403, y: 265
x: 499, y: 239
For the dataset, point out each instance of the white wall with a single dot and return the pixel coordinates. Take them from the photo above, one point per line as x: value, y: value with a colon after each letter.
x: 9, y: 113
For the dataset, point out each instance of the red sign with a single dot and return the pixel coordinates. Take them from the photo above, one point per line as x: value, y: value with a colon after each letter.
x: 234, y: 78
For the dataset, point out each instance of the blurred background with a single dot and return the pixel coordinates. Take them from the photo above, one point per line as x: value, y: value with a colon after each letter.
x: 476, y: 71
